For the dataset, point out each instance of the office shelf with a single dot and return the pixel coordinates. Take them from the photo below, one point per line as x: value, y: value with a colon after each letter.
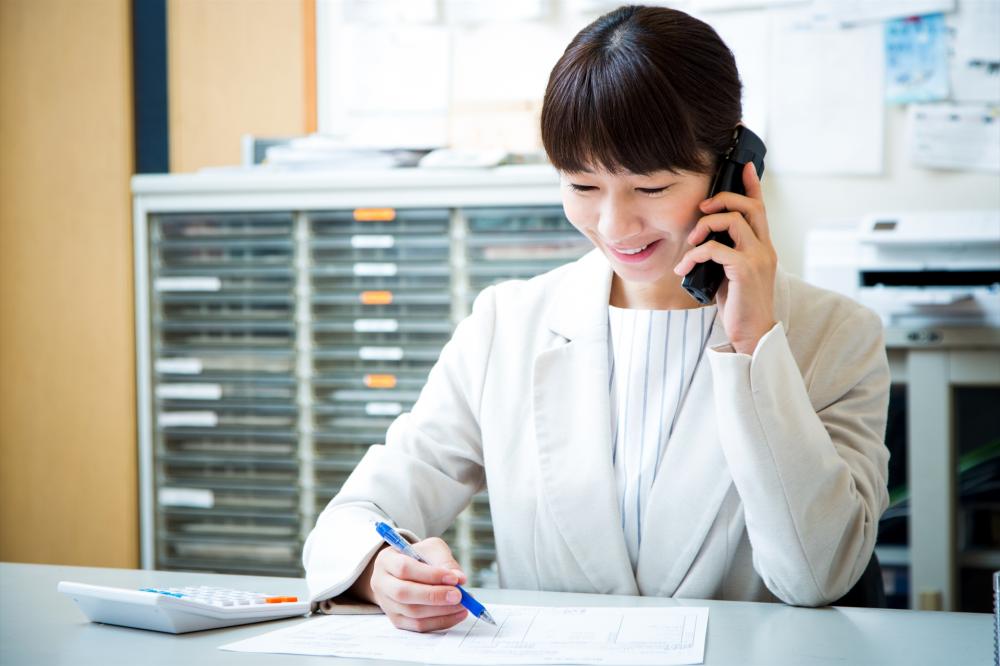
x: 284, y: 321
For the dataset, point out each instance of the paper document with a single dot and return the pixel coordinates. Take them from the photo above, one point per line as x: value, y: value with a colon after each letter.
x: 826, y: 97
x: 523, y: 635
x: 955, y: 136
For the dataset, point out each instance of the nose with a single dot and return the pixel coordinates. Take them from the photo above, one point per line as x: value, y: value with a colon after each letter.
x: 618, y: 222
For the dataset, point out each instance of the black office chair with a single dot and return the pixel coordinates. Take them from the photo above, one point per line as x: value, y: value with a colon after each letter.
x: 869, y: 591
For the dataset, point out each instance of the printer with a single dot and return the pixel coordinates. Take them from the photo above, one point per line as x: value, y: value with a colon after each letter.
x: 919, y: 270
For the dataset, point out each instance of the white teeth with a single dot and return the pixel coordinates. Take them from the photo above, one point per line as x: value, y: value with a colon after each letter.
x: 635, y: 251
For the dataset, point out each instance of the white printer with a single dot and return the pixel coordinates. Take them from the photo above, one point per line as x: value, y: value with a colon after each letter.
x: 921, y: 271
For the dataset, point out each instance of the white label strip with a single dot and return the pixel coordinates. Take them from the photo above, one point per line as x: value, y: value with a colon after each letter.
x: 372, y: 242
x: 179, y: 366
x: 373, y: 270
x: 380, y: 353
x: 189, y: 391
x: 199, y: 498
x: 383, y: 408
x: 376, y: 325
x: 188, y: 284
x: 190, y: 419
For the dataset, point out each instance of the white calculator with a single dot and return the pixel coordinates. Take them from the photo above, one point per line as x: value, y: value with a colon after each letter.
x: 177, y: 610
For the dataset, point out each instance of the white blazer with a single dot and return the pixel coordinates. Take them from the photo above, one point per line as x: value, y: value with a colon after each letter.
x: 771, y: 485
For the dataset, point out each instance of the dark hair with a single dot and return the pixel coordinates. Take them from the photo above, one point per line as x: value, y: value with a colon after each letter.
x: 642, y: 89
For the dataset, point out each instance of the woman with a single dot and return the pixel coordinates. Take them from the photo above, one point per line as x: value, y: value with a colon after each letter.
x: 633, y: 442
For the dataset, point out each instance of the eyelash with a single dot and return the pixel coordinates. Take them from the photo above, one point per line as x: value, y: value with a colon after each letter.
x: 648, y: 191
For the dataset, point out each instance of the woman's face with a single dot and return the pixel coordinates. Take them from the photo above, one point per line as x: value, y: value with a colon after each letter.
x: 621, y: 213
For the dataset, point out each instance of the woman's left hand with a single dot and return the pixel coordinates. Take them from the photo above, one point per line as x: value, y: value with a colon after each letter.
x: 746, y: 298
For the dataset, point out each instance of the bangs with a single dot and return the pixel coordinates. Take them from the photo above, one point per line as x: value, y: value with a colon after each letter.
x: 609, y: 114
x: 641, y: 97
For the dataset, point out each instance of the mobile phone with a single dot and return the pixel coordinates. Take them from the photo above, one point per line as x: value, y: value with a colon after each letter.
x: 704, y: 280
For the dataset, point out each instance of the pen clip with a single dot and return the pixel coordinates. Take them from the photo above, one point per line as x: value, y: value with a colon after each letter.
x: 393, y: 538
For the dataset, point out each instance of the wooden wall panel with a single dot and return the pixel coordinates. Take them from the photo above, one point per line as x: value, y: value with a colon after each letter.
x: 67, y: 401
x: 235, y: 67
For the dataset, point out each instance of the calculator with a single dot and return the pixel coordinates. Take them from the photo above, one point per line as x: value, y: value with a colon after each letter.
x: 177, y: 610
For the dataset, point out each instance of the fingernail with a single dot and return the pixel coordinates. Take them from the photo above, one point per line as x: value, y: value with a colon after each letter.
x: 453, y: 597
x: 450, y: 579
x: 458, y: 574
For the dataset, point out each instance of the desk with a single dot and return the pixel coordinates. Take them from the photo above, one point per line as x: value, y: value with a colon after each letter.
x: 40, y: 626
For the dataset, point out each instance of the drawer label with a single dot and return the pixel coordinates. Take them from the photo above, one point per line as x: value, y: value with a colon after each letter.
x: 199, y: 498
x: 179, y: 366
x: 376, y: 325
x: 372, y: 241
x: 188, y: 284
x: 380, y: 353
x: 189, y: 391
x: 383, y: 408
x: 375, y: 270
x: 188, y: 419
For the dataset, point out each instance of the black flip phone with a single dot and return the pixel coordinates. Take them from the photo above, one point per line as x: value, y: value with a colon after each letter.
x: 705, y: 279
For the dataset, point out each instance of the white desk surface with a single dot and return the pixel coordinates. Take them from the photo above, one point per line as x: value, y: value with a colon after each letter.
x: 40, y: 626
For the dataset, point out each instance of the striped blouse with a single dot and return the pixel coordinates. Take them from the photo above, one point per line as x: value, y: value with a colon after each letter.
x: 652, y: 357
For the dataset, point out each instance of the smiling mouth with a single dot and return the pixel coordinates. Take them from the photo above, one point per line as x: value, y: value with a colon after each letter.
x: 635, y: 254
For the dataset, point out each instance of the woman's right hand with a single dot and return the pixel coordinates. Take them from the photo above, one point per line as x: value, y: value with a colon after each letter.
x: 415, y: 596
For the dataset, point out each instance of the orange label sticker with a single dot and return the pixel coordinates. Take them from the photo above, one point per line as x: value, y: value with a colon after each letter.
x: 380, y: 381
x: 376, y: 297
x: 374, y: 214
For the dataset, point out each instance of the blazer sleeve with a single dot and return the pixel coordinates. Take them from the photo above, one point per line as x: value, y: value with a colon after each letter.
x: 426, y: 472
x: 810, y: 464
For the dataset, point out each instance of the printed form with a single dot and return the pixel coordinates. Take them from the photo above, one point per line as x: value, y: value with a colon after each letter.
x: 523, y: 635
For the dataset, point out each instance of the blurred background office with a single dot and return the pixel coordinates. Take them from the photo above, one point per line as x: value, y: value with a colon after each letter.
x: 234, y: 234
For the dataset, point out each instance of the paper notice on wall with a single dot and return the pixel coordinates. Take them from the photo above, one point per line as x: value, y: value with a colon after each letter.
x: 854, y: 12
x: 727, y: 5
x: 975, y: 61
x: 394, y: 85
x: 391, y: 11
x: 916, y: 59
x: 827, y: 112
x: 744, y: 33
x: 955, y: 136
x: 486, y: 11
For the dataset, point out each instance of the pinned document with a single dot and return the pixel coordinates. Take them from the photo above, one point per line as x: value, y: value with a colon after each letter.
x: 523, y: 635
x: 975, y: 66
x: 955, y: 136
x: 916, y: 59
x: 827, y: 91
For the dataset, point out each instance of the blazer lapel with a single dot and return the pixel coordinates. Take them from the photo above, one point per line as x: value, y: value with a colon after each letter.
x: 693, y: 478
x: 573, y: 428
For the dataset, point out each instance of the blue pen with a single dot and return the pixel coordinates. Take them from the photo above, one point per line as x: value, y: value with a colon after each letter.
x: 402, y: 545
